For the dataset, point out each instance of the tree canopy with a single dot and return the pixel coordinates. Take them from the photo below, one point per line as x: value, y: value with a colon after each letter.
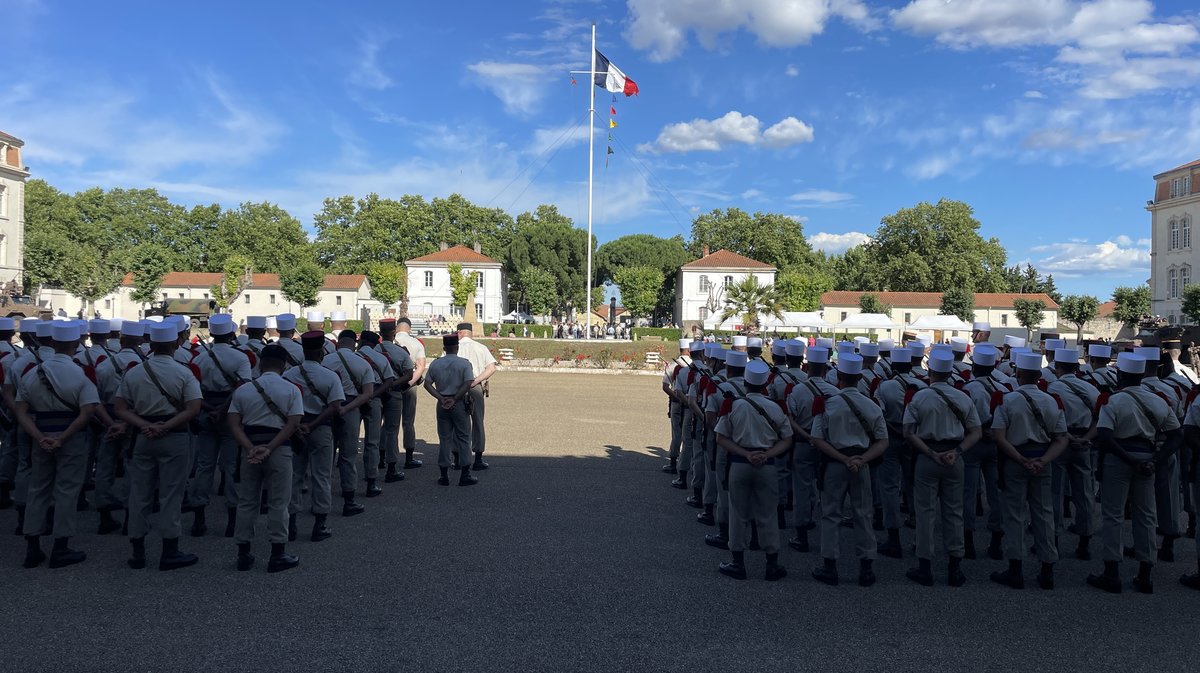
x: 639, y: 288
x: 1131, y: 303
x: 1078, y: 309
x: 1029, y: 313
x: 767, y: 237
x: 958, y: 302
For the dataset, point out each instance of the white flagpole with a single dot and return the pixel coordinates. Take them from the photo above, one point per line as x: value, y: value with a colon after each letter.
x: 587, y: 334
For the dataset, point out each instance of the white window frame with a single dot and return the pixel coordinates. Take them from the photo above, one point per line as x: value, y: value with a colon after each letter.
x: 337, y: 299
x: 1172, y: 284
x: 703, y: 313
x: 479, y: 310
x: 3, y: 200
x: 1004, y: 320
x: 1185, y: 278
x: 428, y: 279
x: 1173, y: 239
x: 478, y: 280
x: 728, y: 281
x: 1185, y: 232
x: 705, y: 284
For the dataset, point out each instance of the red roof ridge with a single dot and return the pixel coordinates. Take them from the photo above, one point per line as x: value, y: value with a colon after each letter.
x: 1190, y: 164
x: 457, y: 254
x: 726, y: 259
x: 932, y: 299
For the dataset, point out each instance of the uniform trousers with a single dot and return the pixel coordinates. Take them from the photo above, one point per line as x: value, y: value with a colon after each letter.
x: 409, y: 422
x: 1168, y: 495
x: 21, y: 478
x: 804, y: 484
x: 393, y: 415
x: 215, y: 449
x: 8, y: 455
x: 890, y: 476
x: 696, y: 468
x: 752, y: 497
x: 163, y: 464
x: 478, y: 435
x: 688, y: 435
x: 454, y: 436
x: 711, y: 486
x: 840, y: 482
x: 274, y: 474
x: 1122, y: 482
x: 110, y: 459
x: 345, y: 440
x: 55, y: 481
x: 1074, y: 466
x: 980, y: 463
x: 676, y: 414
x: 937, y: 497
x: 372, y: 420
x: 313, y: 456
x: 1020, y: 489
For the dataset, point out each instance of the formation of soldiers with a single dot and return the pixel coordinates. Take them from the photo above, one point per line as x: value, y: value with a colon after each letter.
x: 152, y: 423
x: 1035, y: 446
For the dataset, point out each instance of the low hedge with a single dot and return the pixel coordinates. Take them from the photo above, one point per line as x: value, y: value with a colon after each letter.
x: 535, y: 331
x: 664, y: 333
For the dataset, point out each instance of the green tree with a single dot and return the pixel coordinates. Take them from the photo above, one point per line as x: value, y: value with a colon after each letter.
x: 301, y: 283
x: 749, y: 300
x: 149, y: 266
x: 644, y: 250
x: 958, y: 302
x: 548, y: 240
x: 870, y: 303
x: 856, y: 270
x: 1079, y: 309
x: 263, y: 233
x: 462, y: 284
x: 802, y: 291
x: 235, y: 277
x: 639, y: 288
x: 389, y: 282
x: 536, y: 287
x: 1131, y: 303
x: 1191, y: 303
x: 766, y: 237
x: 1029, y: 314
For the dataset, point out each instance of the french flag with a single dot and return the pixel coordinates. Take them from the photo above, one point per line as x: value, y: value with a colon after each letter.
x: 610, y: 78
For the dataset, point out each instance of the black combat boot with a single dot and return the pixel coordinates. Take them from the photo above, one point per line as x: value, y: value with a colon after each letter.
x: 62, y: 555
x: 1045, y: 578
x: 672, y: 467
x: 800, y: 542
x: 866, y: 575
x: 735, y: 568
x: 411, y: 463
x: 199, y: 525
x: 1143, y: 582
x: 292, y: 532
x: 479, y: 464
x: 465, y: 478
x: 1013, y: 578
x: 826, y: 573
x: 281, y: 560
x: 108, y: 524
x: 349, y: 507
x: 137, y: 560
x: 1192, y: 581
x: 892, y: 548
x: 696, y: 499
x: 444, y: 480
x: 230, y: 520
x: 996, y: 548
x: 1109, y: 580
x: 922, y: 574
x: 393, y: 474
x: 1166, y: 553
x: 320, y: 531
x: 954, y: 573
x: 720, y: 540
x: 681, y: 480
x: 172, y: 558
x: 707, y: 517
x: 33, y: 552
x: 373, y: 489
x: 775, y: 572
x: 245, y: 560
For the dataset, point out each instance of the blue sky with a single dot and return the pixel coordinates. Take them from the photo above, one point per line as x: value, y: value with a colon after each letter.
x: 1048, y: 116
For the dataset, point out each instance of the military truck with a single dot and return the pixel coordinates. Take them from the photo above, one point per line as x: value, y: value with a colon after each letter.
x: 196, y: 310
x: 19, y: 306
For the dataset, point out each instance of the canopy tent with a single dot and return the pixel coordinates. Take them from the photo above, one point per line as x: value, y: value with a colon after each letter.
x: 515, y: 316
x: 790, y: 320
x: 940, y: 323
x: 868, y: 321
x: 804, y: 320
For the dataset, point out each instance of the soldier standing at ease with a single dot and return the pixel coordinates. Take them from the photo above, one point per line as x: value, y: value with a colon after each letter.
x: 313, y: 454
x: 1030, y: 429
x: 800, y: 406
x: 449, y: 381
x: 1127, y: 433
x: 893, y: 394
x: 262, y: 417
x: 158, y: 398
x: 675, y: 406
x: 1191, y: 475
x: 941, y: 424
x: 401, y: 334
x: 980, y: 463
x: 1074, y: 465
x: 286, y: 323
x: 692, y: 455
x: 55, y: 402
x: 402, y: 368
x: 372, y: 415
x: 110, y: 456
x: 850, y: 432
x: 483, y: 364
x: 754, y: 431
x: 358, y: 385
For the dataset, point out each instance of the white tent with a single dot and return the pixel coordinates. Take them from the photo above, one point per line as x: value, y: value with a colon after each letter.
x: 868, y: 321
x: 790, y: 321
x: 514, y: 316
x: 940, y: 323
x: 803, y: 320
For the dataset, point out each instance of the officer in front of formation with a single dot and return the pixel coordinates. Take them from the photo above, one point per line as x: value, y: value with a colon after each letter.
x: 449, y: 380
x: 312, y: 453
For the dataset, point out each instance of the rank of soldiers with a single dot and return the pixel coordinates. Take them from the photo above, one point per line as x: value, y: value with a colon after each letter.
x: 152, y: 422
x: 1041, y: 448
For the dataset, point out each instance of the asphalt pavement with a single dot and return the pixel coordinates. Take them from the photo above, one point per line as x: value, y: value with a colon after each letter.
x: 572, y: 553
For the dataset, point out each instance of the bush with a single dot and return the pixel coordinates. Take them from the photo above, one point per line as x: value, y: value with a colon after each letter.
x: 535, y: 331
x: 664, y: 333
x: 302, y: 326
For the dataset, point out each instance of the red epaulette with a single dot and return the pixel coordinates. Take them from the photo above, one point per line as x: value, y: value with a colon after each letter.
x: 787, y: 391
x: 691, y: 376
x: 996, y: 401
x: 27, y: 368
x: 1059, y: 401
x: 908, y: 395
x: 1163, y: 398
x: 1101, y: 401
x: 195, y: 370
x: 90, y: 372
x: 966, y: 375
x: 726, y: 407
x: 1191, y: 396
x: 1042, y: 385
x: 782, y: 405
x: 818, y: 406
x: 771, y: 379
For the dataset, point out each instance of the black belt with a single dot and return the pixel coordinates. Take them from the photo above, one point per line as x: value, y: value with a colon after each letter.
x: 54, y: 421
x: 942, y: 445
x: 309, y: 418
x: 261, y: 434
x: 735, y: 458
x: 217, y: 395
x: 853, y: 451
x: 1137, y: 444
x: 1078, y: 432
x: 1032, y: 450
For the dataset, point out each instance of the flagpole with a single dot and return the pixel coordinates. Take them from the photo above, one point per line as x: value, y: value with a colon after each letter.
x: 587, y: 334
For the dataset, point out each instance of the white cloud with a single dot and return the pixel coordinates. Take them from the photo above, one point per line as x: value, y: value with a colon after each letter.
x: 820, y: 196
x: 1035, y: 94
x: 366, y: 72
x: 836, y: 244
x: 751, y: 194
x: 519, y: 86
x: 1118, y: 256
x: 933, y: 166
x: 544, y: 139
x: 791, y: 71
x: 662, y: 26
x: 733, y: 128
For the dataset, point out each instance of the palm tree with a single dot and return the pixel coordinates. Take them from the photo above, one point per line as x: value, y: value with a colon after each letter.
x: 748, y: 299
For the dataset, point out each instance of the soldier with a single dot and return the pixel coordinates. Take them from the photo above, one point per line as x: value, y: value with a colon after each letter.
x: 54, y: 404
x: 778, y: 356
x: 372, y: 412
x: 36, y: 338
x: 754, y: 431
x: 981, y: 332
x: 1030, y: 429
x: 313, y: 454
x: 843, y: 348
x: 449, y: 380
x: 958, y: 347
x: 159, y: 398
x: 1075, y: 463
x: 675, y: 407
x: 708, y: 395
x: 111, y: 454
x: 790, y: 373
x: 703, y: 440
x: 415, y: 350
x: 941, y: 424
x: 868, y: 380
x: 738, y: 343
x: 222, y: 369
x: 262, y: 417
x: 316, y: 321
x: 1103, y: 375
x: 895, y: 471
x: 256, y: 335
x: 1127, y: 432
x: 483, y: 364
x: 1048, y: 351
x: 800, y: 405
x: 1191, y: 427
x: 286, y: 323
x: 1173, y: 348
x: 358, y: 386
x: 9, y: 353
x: 402, y: 367
x: 272, y: 329
x: 850, y: 431
x: 187, y: 351
x: 987, y: 393
x: 918, y: 350
x: 684, y: 378
x: 1006, y: 365
x: 754, y: 348
x: 1167, y: 488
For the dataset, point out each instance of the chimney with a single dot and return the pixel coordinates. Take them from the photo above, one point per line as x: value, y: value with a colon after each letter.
x: 442, y: 246
x: 705, y: 252
x: 477, y: 249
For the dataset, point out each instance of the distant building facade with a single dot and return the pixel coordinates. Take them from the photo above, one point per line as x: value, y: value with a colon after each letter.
x: 1173, y: 260
x: 994, y: 308
x: 701, y: 284
x: 429, y: 293
x: 13, y: 174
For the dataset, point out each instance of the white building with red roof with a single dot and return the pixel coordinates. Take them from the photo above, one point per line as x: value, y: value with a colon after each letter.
x: 13, y: 174
x: 429, y: 292
x: 1173, y: 259
x: 700, y: 287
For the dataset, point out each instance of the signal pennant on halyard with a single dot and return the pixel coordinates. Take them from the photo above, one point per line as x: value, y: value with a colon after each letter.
x: 610, y: 78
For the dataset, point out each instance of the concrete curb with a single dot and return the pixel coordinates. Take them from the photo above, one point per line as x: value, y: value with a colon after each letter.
x: 581, y: 370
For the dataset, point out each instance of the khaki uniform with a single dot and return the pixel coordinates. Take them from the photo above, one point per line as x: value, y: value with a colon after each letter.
x: 449, y: 374
x: 981, y: 462
x: 1074, y: 466
x: 936, y: 487
x: 56, y: 479
x: 222, y: 369
x: 692, y: 455
x: 12, y: 375
x: 675, y: 410
x: 313, y: 455
x: 402, y: 367
x: 372, y: 416
x: 1192, y: 418
x: 1030, y: 429
x: 261, y: 424
x: 110, y: 454
x: 840, y: 427
x: 416, y: 352
x: 355, y: 373
x: 753, y: 491
x: 158, y: 463
x: 480, y: 357
x: 294, y: 350
x: 9, y: 353
x: 1168, y: 493
x: 715, y: 399
x: 896, y: 469
x: 805, y: 457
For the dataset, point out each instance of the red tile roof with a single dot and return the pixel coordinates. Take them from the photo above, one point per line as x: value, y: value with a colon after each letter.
x: 602, y: 310
x: 262, y: 281
x: 724, y: 259
x: 346, y: 282
x: 931, y: 299
x: 1107, y: 309
x: 459, y: 254
x: 1192, y: 164
x: 11, y: 139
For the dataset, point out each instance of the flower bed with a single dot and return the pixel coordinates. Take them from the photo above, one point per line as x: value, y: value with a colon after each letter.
x: 565, y: 354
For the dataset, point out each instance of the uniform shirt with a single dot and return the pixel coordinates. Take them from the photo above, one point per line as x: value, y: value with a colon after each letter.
x: 735, y: 386
x: 379, y: 365
x: 1105, y: 376
x: 892, y: 394
x: 785, y: 378
x: 1192, y: 417
x: 9, y: 347
x: 984, y: 391
x: 748, y: 429
x: 401, y: 364
x: 294, y: 349
x: 356, y: 377
x: 867, y: 381
x: 1021, y: 423
x: 325, y: 383
x: 1173, y: 397
x: 476, y: 353
x: 672, y: 368
x: 111, y: 372
x: 1078, y: 399
x: 68, y: 381
x: 934, y: 420
x: 15, y: 369
x: 235, y: 364
x: 1048, y: 375
x: 883, y: 368
x: 143, y: 396
x: 800, y: 401
x: 450, y: 374
x: 184, y: 354
x: 962, y: 367
x: 1125, y: 418
x: 686, y: 377
x: 839, y: 426
x: 89, y: 356
x: 249, y: 402
x: 416, y: 349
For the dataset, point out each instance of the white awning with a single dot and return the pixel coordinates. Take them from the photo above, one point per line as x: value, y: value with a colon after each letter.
x: 868, y: 321
x: 940, y: 322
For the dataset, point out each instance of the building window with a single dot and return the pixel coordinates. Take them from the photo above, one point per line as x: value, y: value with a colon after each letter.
x: 1174, y: 242
x: 181, y: 295
x: 728, y: 281
x: 271, y: 298
x: 3, y: 201
x: 1185, y: 232
x: 1172, y: 284
x: 703, y: 313
x: 1185, y: 278
x: 479, y: 279
x: 1004, y: 320
x: 247, y: 298
x: 843, y: 315
x: 907, y: 318
x: 1170, y: 318
x: 705, y: 286
x: 479, y: 311
x: 1181, y: 187
x: 206, y: 295
x: 428, y: 279
x: 107, y: 303
x: 337, y: 299
x: 164, y: 296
